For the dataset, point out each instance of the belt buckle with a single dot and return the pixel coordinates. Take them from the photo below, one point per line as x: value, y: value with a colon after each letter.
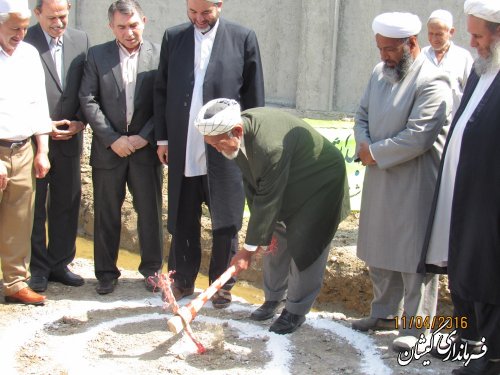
x: 17, y: 145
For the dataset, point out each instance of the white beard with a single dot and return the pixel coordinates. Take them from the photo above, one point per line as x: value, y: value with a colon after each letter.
x: 233, y: 154
x: 491, y: 63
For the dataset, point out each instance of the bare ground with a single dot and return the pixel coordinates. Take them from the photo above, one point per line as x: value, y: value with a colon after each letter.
x: 80, y: 332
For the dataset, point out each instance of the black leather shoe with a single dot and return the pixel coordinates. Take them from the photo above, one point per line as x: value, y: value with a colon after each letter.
x: 105, y: 286
x: 287, y: 323
x: 479, y: 366
x: 38, y: 283
x: 66, y: 277
x: 267, y: 310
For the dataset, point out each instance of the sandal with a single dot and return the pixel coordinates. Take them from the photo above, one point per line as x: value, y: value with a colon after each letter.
x: 221, y: 299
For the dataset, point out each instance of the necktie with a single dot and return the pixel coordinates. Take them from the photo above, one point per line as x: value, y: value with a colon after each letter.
x: 56, y: 51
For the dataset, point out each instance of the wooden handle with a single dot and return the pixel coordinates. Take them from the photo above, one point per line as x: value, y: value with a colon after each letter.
x: 187, y: 313
x: 175, y: 324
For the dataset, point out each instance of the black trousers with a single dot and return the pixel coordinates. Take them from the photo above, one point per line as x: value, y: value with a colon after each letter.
x: 144, y: 183
x: 57, y: 201
x: 185, y: 249
x: 483, y: 320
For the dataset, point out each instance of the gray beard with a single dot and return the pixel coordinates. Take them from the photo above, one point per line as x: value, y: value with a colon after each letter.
x: 396, y: 74
x: 491, y: 63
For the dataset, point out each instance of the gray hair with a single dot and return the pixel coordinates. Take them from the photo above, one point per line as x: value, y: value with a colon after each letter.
x: 4, y: 17
x: 39, y: 3
x: 128, y: 7
x: 492, y: 26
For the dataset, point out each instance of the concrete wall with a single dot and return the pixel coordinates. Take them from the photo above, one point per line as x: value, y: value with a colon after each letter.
x: 317, y: 54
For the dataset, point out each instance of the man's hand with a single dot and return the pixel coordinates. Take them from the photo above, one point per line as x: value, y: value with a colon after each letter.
x: 60, y: 130
x: 365, y: 154
x: 137, y: 141
x: 242, y: 259
x: 163, y: 154
x: 3, y: 176
x: 41, y: 164
x: 63, y: 130
x: 75, y: 127
x: 122, y: 147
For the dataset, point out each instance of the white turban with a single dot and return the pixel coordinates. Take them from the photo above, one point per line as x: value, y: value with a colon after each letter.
x: 488, y: 10
x: 444, y: 16
x: 396, y: 25
x: 14, y: 6
x: 218, y: 116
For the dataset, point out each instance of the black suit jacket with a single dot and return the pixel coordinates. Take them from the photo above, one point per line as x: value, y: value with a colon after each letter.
x: 102, y: 97
x: 474, y: 245
x: 63, y: 102
x: 235, y: 72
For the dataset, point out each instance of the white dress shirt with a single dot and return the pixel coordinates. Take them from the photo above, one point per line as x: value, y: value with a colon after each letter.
x: 128, y: 63
x: 56, y: 50
x: 457, y: 62
x: 23, y: 100
x: 196, y: 160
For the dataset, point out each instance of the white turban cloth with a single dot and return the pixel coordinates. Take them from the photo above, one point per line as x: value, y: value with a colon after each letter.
x: 14, y: 6
x: 396, y: 25
x: 488, y: 10
x: 444, y: 16
x: 218, y: 116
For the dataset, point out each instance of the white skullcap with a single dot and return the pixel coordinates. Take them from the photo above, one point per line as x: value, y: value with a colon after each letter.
x: 488, y: 10
x: 218, y: 116
x: 14, y: 6
x: 396, y: 25
x: 444, y: 16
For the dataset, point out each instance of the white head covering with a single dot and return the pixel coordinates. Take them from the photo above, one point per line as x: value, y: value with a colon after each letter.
x: 218, y: 116
x: 444, y: 16
x: 488, y: 10
x: 396, y: 25
x: 14, y: 6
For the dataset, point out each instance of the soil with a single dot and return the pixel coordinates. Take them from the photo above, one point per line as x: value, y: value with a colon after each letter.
x: 80, y: 332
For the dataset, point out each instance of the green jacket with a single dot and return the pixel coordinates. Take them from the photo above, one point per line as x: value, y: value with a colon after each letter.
x: 292, y: 174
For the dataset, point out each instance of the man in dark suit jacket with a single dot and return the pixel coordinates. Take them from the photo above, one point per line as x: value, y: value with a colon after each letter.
x: 294, y: 183
x: 202, y: 60
x: 116, y: 97
x: 60, y: 203
x: 463, y: 234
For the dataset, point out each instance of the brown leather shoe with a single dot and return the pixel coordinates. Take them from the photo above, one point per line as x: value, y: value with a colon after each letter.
x: 26, y: 296
x: 180, y: 292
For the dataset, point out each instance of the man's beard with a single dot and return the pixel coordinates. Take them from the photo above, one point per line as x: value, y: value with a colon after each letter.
x: 206, y: 29
x: 396, y: 74
x: 491, y: 63
x: 233, y: 154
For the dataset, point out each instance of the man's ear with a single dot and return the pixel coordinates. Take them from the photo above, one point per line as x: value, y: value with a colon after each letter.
x: 237, y: 130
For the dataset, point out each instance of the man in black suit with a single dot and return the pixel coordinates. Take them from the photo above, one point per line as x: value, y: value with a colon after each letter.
x: 62, y: 51
x: 463, y: 232
x: 201, y: 60
x: 116, y: 98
